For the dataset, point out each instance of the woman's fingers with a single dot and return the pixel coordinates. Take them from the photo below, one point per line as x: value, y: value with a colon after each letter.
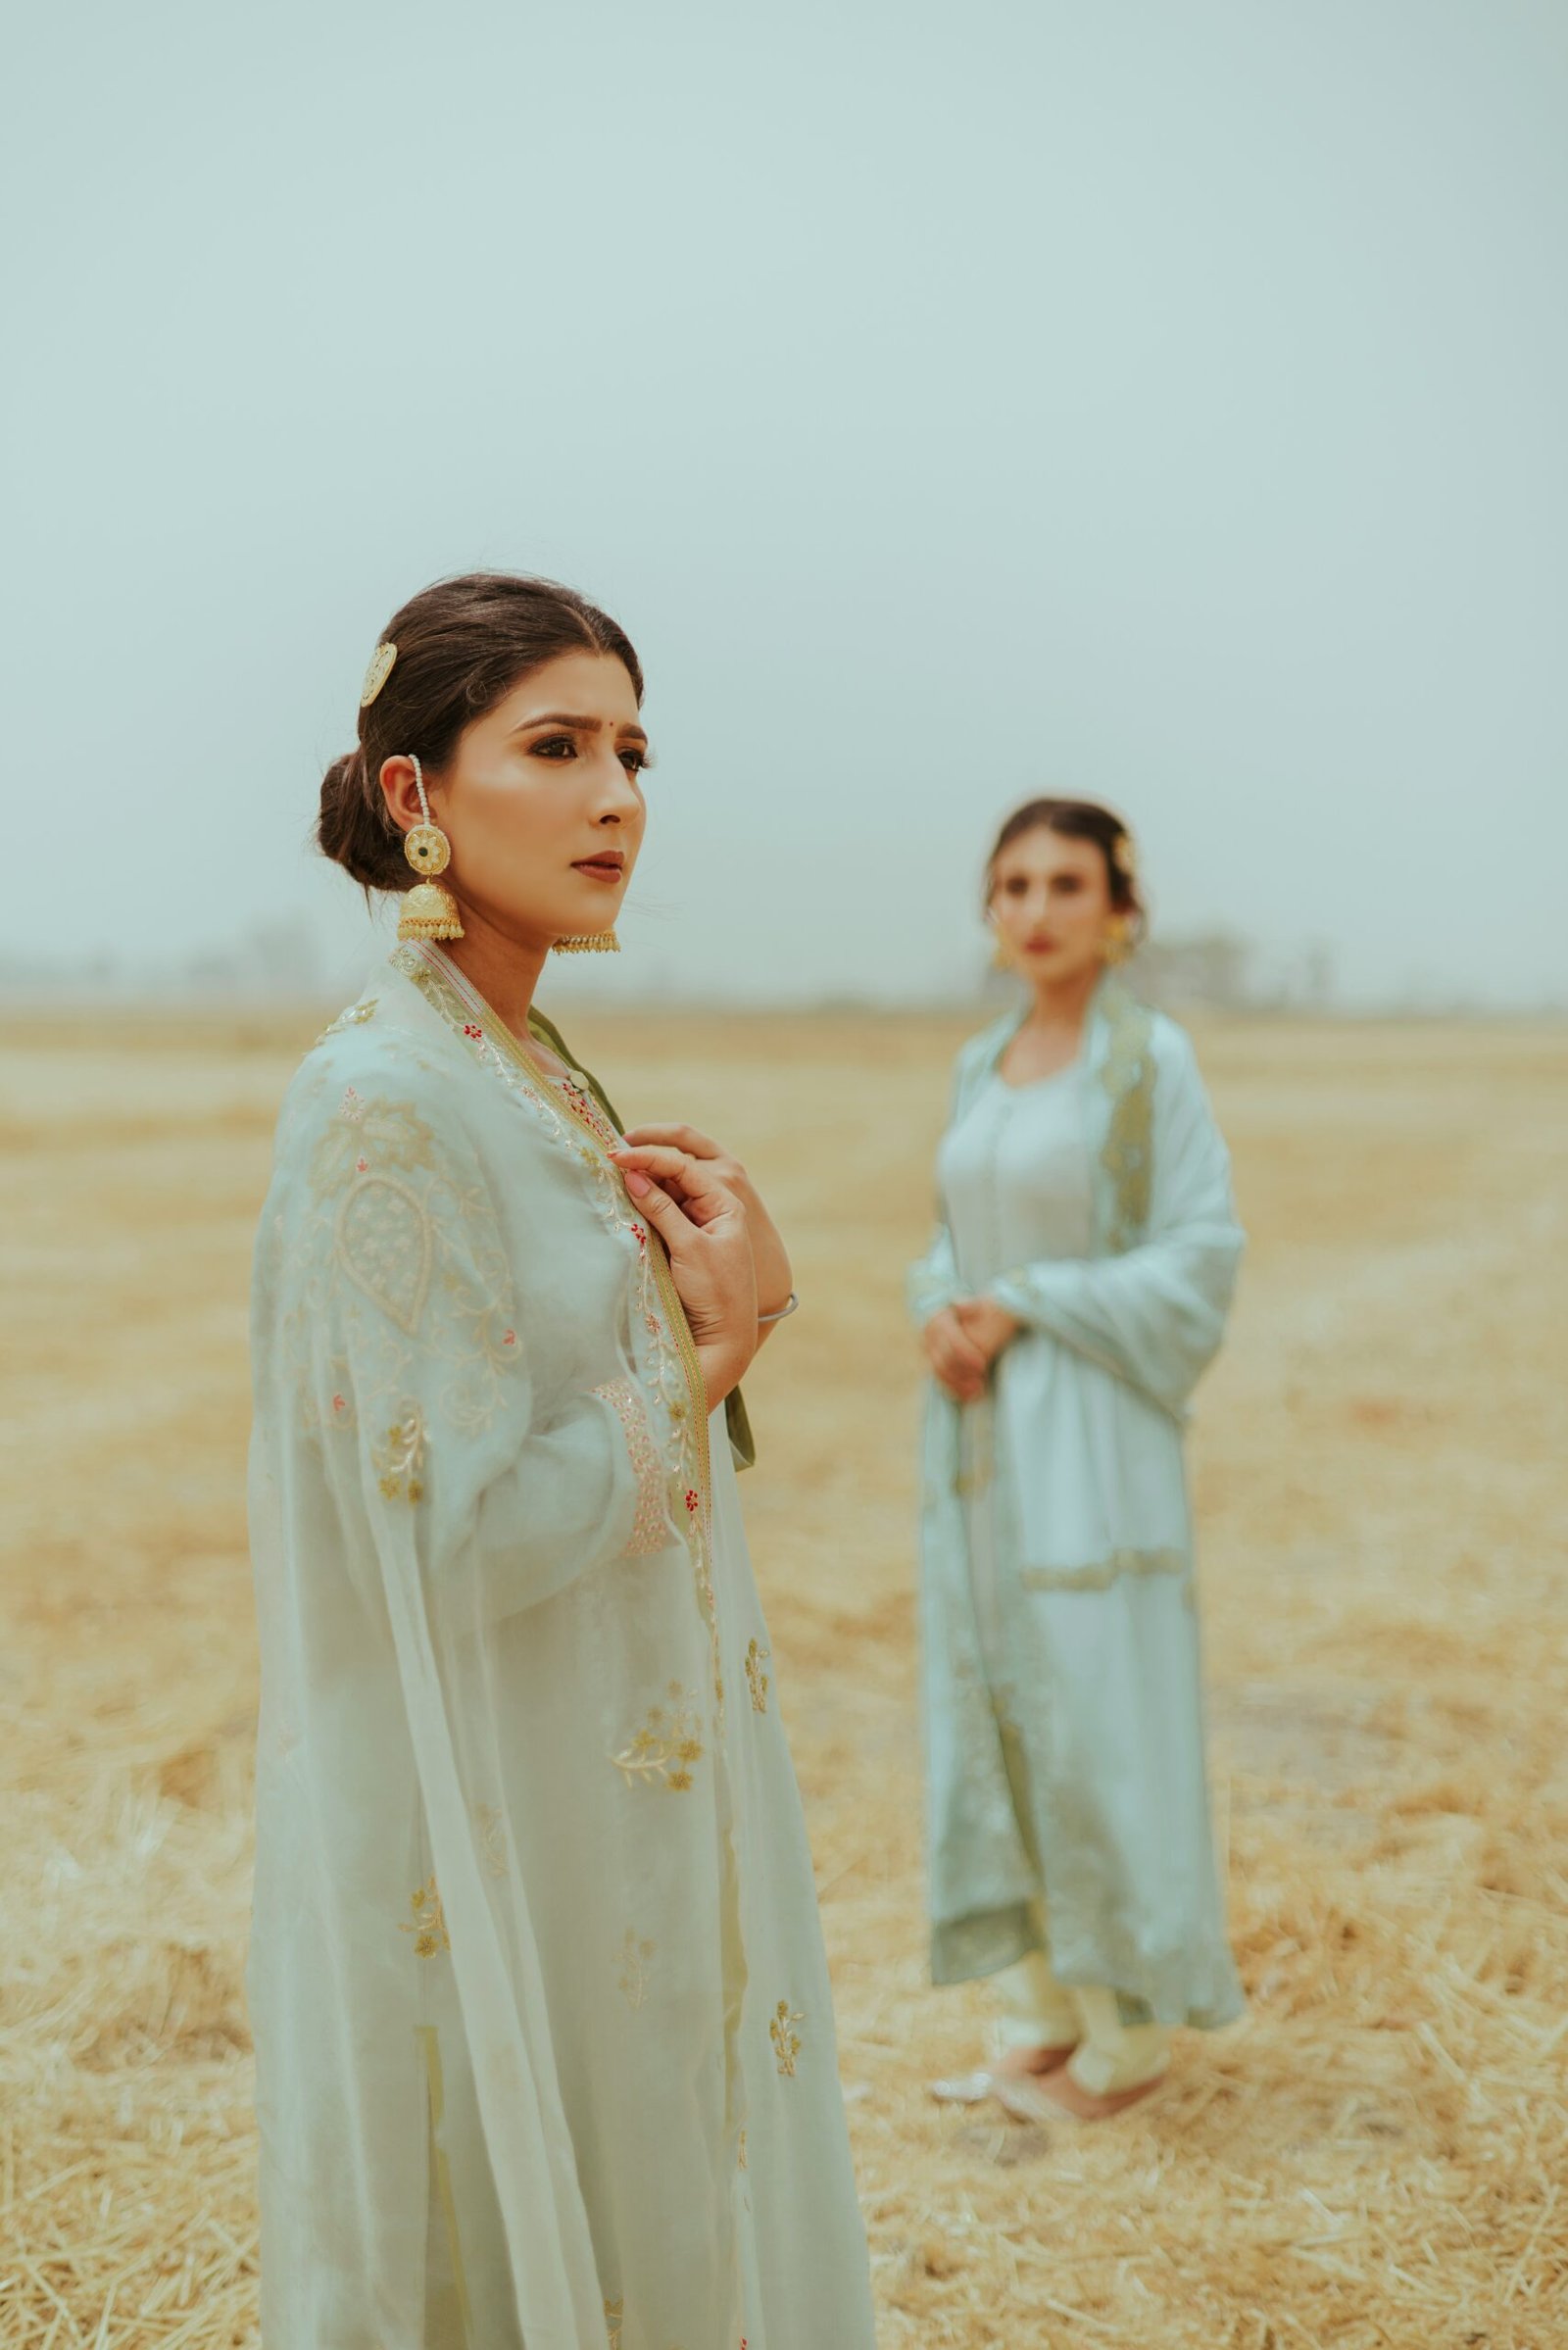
x: 952, y: 1349
x: 697, y: 1182
x: 689, y: 1139
x: 692, y: 1192
x: 666, y: 1216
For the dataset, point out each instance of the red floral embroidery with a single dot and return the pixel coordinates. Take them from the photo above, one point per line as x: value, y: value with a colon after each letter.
x: 362, y: 1164
x: 639, y: 1236
x: 508, y: 1337
x: 340, y: 1404
x: 472, y: 1028
x: 694, y: 1500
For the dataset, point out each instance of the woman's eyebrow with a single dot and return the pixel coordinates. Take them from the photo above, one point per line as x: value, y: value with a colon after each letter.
x: 566, y: 718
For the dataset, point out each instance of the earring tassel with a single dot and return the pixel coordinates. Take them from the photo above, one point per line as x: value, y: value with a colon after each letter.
x: 428, y: 911
x: 598, y: 942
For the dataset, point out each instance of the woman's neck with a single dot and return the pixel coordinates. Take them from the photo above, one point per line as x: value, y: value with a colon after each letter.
x: 505, y: 969
x: 1063, y: 1005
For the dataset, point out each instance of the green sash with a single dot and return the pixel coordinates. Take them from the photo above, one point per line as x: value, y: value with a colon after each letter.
x: 742, y: 1440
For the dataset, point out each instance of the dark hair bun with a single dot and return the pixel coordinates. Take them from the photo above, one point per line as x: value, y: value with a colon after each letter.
x: 355, y: 826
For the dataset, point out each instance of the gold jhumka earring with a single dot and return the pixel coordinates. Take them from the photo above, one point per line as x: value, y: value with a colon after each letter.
x: 598, y: 942
x: 1118, y: 943
x: 429, y: 909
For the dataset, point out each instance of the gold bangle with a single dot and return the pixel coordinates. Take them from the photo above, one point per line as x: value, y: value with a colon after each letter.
x: 783, y: 1315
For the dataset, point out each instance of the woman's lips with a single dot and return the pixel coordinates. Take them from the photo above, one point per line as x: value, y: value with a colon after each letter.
x: 602, y: 868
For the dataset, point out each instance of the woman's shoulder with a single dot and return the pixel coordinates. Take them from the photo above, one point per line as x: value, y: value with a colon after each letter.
x: 1140, y: 1027
x: 366, y: 1067
x: 1170, y: 1043
x: 977, y: 1053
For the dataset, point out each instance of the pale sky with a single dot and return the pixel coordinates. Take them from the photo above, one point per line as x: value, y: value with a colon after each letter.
x: 1164, y: 403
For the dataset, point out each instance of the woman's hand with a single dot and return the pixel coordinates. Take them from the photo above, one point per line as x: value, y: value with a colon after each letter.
x: 769, y: 1252
x: 988, y: 1326
x: 955, y: 1358
x: 703, y: 1226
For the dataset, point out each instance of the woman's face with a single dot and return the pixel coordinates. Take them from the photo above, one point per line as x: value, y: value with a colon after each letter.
x: 1050, y: 903
x: 542, y: 802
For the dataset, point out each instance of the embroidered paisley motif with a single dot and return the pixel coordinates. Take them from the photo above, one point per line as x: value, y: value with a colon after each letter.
x: 385, y: 1245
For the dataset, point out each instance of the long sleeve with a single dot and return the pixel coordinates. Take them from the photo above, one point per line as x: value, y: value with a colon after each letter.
x: 933, y: 1280
x: 408, y: 1340
x: 1153, y: 1315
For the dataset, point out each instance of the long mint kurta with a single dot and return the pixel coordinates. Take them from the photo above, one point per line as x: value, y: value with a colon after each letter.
x: 1063, y: 1678
x: 545, y: 2050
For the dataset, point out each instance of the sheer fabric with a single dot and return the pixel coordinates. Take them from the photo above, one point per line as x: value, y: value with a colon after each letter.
x: 544, y: 2042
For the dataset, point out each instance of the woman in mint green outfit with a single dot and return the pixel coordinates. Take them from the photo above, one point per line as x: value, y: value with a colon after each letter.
x: 1076, y: 1289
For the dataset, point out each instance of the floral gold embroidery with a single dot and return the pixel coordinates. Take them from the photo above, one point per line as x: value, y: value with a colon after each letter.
x: 636, y: 1958
x: 392, y: 1133
x: 430, y: 1925
x: 785, y: 2038
x: 647, y: 1532
x: 615, y: 2318
x: 492, y: 1838
x: 354, y: 1017
x: 400, y: 1456
x: 757, y: 1656
x: 664, y: 1750
x: 743, y: 2150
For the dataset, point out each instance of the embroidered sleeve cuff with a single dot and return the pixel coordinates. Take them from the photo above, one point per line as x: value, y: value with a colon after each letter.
x: 649, y: 1529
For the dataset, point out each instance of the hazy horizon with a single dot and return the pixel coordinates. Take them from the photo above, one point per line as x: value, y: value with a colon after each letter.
x: 1158, y: 405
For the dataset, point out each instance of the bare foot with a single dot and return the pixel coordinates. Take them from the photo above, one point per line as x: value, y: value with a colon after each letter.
x: 1016, y: 2061
x: 1087, y: 2105
x: 1016, y: 2064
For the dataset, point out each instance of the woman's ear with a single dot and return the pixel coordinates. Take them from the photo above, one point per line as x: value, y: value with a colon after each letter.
x: 402, y: 793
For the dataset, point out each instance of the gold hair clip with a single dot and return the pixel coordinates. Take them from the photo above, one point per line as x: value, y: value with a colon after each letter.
x: 376, y: 675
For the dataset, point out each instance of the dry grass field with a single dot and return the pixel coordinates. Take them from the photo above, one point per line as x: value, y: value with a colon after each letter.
x: 1377, y: 2156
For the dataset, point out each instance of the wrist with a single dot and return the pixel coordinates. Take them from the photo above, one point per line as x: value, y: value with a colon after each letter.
x: 723, y: 1363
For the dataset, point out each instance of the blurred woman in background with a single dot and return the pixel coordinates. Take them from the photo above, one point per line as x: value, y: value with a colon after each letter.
x: 1077, y: 1286
x: 545, y: 2051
